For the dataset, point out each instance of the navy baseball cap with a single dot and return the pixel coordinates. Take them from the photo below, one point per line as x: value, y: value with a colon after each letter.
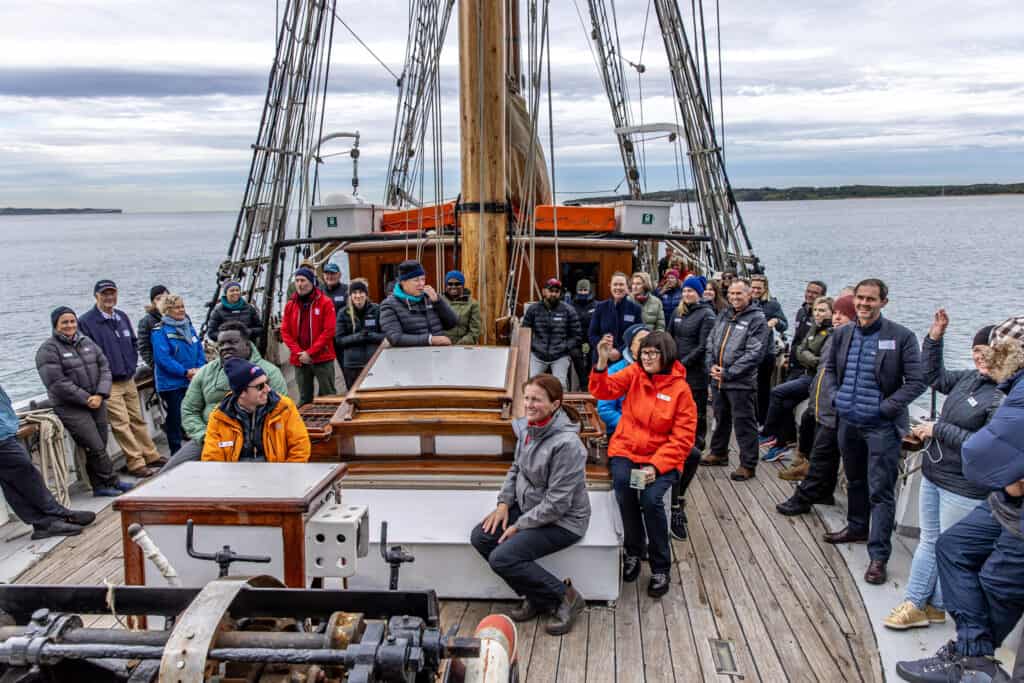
x: 104, y: 284
x: 332, y: 268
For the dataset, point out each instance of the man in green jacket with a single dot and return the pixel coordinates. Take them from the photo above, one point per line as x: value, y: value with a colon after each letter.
x: 467, y: 332
x: 210, y: 385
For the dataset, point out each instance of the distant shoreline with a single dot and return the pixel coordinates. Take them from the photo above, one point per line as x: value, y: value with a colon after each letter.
x: 12, y: 211
x: 773, y: 194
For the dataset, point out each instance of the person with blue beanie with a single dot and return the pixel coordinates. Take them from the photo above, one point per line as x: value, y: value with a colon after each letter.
x: 467, y: 330
x: 610, y: 410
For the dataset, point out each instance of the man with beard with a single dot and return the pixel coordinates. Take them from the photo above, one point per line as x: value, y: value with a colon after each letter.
x: 556, y: 331
x: 210, y: 385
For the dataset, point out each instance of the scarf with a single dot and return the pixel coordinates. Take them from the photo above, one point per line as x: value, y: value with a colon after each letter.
x: 640, y: 298
x: 400, y: 294
x: 179, y: 326
x: 237, y: 306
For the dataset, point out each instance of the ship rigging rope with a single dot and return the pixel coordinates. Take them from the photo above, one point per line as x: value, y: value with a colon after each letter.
x: 52, y: 465
x: 367, y: 47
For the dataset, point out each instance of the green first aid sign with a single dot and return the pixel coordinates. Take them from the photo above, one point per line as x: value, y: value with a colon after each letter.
x: 332, y: 221
x: 647, y: 219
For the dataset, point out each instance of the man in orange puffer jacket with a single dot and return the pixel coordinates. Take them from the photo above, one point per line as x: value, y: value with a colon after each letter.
x: 655, y: 436
x: 253, y: 423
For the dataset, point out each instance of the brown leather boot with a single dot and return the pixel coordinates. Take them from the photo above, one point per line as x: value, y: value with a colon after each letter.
x: 876, y: 573
x: 798, y: 470
x: 742, y: 473
x: 566, y: 613
x: 715, y: 460
x: 525, y: 611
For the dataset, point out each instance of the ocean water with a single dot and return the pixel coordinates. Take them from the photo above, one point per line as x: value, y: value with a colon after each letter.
x: 959, y: 253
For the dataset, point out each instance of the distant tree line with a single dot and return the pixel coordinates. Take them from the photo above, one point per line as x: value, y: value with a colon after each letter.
x: 774, y: 194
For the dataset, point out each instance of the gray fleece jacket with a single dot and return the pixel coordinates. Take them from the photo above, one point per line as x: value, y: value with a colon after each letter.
x: 548, y: 478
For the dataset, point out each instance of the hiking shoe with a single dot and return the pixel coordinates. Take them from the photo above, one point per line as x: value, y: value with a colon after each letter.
x: 524, y: 612
x: 566, y: 613
x: 774, y: 453
x: 793, y: 506
x: 715, y: 460
x: 798, y: 470
x: 79, y: 517
x: 142, y: 472
x: 630, y: 568
x: 124, y: 485
x: 947, y: 665
x: 677, y: 525
x: 742, y: 473
x: 766, y: 442
x: 106, y: 492
x: 57, y: 527
x: 935, y: 615
x: 905, y: 616
x: 658, y: 585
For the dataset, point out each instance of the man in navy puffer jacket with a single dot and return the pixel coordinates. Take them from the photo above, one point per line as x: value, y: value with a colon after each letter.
x: 876, y: 367
x: 981, y: 558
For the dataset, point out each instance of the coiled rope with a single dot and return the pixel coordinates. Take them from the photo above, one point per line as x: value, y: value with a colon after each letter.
x: 52, y: 463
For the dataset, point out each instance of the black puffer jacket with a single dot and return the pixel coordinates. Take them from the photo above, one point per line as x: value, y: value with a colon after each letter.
x: 737, y: 344
x: 556, y: 331
x: 358, y: 335
x: 971, y: 399
x: 691, y: 333
x: 248, y: 315
x: 144, y: 342
x: 411, y: 323
x: 72, y: 371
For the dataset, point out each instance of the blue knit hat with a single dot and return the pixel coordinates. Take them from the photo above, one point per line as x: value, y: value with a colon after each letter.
x: 306, y: 273
x: 697, y: 283
x: 241, y: 374
x: 454, y: 275
x: 232, y: 283
x: 631, y: 331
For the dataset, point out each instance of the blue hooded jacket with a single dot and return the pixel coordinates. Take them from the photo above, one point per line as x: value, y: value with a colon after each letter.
x: 8, y: 418
x: 175, y: 353
x: 993, y: 456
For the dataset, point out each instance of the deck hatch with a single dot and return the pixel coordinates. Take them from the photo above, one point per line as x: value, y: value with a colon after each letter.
x: 723, y: 653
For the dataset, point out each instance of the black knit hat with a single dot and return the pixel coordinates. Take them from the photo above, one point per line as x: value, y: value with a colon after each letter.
x: 241, y: 373
x: 407, y: 270
x: 981, y: 336
x: 358, y: 286
x: 56, y: 313
x: 157, y: 290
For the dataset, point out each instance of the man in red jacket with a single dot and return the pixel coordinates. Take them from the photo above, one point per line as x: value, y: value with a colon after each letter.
x: 308, y: 331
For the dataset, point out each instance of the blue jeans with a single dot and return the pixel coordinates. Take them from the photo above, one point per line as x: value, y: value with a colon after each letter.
x: 515, y: 559
x: 643, y: 514
x: 982, y: 567
x: 871, y: 457
x: 939, y: 509
x: 784, y: 399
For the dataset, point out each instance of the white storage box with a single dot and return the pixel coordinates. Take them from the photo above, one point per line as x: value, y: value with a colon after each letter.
x: 345, y: 220
x: 639, y: 217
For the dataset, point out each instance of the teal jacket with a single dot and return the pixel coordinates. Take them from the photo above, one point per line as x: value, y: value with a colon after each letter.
x: 209, y: 387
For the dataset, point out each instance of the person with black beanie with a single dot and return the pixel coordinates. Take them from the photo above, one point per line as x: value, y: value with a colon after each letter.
x: 147, y: 322
x: 357, y: 331
x: 414, y: 314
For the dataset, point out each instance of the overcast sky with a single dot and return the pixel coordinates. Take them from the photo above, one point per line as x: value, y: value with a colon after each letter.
x: 153, y: 105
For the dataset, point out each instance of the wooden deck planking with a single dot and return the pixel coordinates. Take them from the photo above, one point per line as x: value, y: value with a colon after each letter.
x: 747, y: 574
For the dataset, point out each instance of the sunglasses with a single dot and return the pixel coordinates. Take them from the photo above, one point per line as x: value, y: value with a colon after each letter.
x: 265, y: 384
x: 454, y: 284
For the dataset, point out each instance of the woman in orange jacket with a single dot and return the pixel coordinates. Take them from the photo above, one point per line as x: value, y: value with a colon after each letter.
x: 253, y: 423
x: 647, y: 452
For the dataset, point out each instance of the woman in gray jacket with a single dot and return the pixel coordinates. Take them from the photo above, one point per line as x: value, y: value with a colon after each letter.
x: 542, y: 508
x: 946, y: 495
x: 77, y: 380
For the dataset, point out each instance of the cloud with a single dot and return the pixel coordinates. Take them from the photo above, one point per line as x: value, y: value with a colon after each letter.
x: 154, y: 106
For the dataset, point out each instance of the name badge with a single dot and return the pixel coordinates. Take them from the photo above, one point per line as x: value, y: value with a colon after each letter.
x: 664, y: 397
x: 628, y: 318
x: 279, y: 426
x: 558, y: 319
x: 194, y: 339
x: 972, y: 401
x: 127, y: 333
x: 68, y: 355
x: 886, y: 344
x: 371, y: 323
x: 225, y: 444
x: 316, y: 311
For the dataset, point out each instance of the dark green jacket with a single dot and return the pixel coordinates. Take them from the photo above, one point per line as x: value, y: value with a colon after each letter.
x: 467, y: 331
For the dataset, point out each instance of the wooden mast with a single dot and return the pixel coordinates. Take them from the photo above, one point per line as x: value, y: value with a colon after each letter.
x: 482, y: 90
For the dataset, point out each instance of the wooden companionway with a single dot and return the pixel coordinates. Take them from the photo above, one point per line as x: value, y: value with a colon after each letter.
x: 766, y: 583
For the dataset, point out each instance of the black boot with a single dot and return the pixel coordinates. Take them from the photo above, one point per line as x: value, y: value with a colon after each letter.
x: 678, y: 522
x: 793, y: 506
x: 566, y: 613
x: 79, y: 517
x: 947, y: 665
x: 524, y: 612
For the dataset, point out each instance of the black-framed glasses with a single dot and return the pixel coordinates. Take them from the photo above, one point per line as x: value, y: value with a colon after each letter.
x: 650, y: 353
